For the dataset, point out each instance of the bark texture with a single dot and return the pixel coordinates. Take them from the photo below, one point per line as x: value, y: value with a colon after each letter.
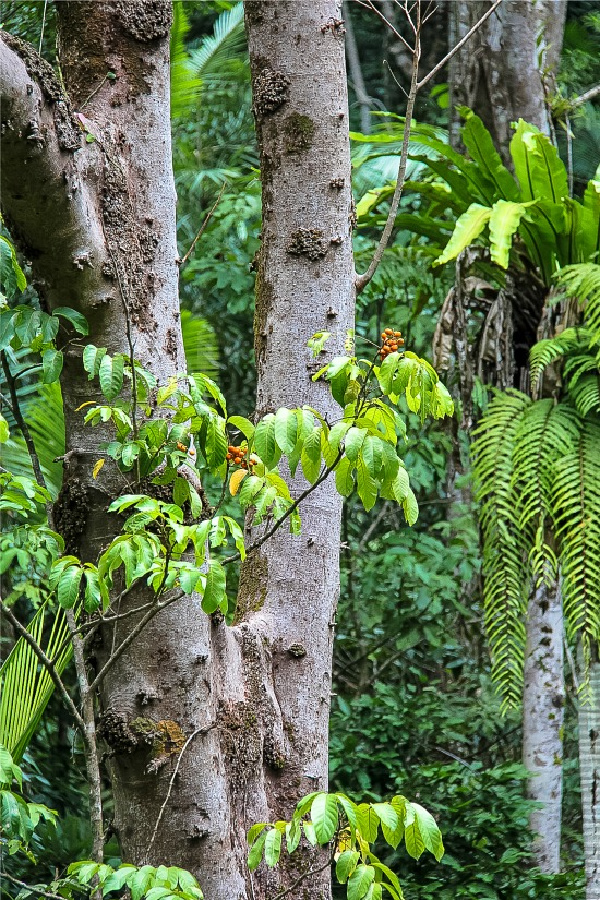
x: 88, y: 191
x: 498, y: 73
x: 304, y: 284
x: 543, y: 715
x: 589, y: 774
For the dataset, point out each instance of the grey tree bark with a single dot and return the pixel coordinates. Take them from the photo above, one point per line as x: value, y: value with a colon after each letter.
x: 589, y: 775
x: 502, y: 75
x: 499, y: 73
x: 97, y: 217
x: 543, y: 718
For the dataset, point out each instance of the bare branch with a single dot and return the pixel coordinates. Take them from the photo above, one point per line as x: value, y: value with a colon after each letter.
x: 194, y: 734
x: 368, y: 4
x: 32, y: 888
x: 46, y: 662
x: 202, y: 227
x: 583, y: 98
x: 459, y: 46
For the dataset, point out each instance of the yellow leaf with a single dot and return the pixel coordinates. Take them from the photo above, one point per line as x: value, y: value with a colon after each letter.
x: 235, y: 481
x: 87, y: 403
x: 97, y: 467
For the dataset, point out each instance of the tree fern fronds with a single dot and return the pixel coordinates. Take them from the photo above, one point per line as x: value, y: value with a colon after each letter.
x: 217, y: 49
x: 545, y: 352
x: 586, y: 394
x: 25, y: 685
x: 545, y: 433
x: 505, y: 567
x: 582, y: 283
x: 576, y: 507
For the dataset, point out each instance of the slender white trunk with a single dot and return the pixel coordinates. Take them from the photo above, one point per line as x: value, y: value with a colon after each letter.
x: 589, y: 773
x: 543, y: 715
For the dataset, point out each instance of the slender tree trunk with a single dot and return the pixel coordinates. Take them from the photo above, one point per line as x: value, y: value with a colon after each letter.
x: 355, y: 71
x: 543, y: 717
x: 250, y: 702
x: 589, y: 774
x: 498, y: 74
x: 305, y: 283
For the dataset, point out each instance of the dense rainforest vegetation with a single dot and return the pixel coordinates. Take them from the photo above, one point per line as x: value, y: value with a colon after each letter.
x: 170, y: 543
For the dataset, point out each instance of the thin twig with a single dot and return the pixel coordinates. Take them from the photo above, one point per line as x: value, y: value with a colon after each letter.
x: 202, y: 227
x: 156, y: 608
x: 299, y: 880
x: 43, y: 28
x: 458, y: 46
x: 194, y: 734
x: 34, y: 889
x: 92, y: 763
x: 368, y: 4
x: 46, y: 662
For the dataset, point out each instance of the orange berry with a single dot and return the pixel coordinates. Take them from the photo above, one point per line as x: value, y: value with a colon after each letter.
x: 388, y: 331
x: 401, y: 341
x: 397, y: 334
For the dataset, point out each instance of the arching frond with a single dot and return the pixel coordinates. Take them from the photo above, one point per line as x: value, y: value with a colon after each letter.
x: 545, y: 352
x: 200, y: 344
x: 217, y: 49
x: 586, y: 394
x: 546, y: 432
x: 576, y: 507
x: 582, y: 283
x: 505, y: 567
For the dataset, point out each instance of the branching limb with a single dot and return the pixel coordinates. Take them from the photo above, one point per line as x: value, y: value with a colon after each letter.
x: 155, y: 608
x: 583, y: 98
x: 32, y: 889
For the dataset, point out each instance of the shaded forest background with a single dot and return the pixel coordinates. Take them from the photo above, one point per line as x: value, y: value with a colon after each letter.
x: 414, y: 709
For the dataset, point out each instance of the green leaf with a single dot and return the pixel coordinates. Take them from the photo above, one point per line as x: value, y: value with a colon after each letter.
x: 52, y: 363
x: 216, y: 442
x: 292, y: 834
x: 250, y: 488
x: 272, y: 847
x: 430, y: 833
x: 480, y: 145
x: 346, y: 864
x: 265, y: 443
x: 310, y: 457
x: 468, y: 227
x: 344, y: 480
x: 4, y: 430
x: 366, y: 487
x: 68, y: 586
x: 286, y: 429
x: 215, y: 594
x: 110, y: 374
x: 317, y: 342
x: 353, y: 442
x: 256, y: 851
x: 243, y: 425
x: 77, y: 320
x: 324, y: 816
x: 504, y: 222
x: 360, y: 881
x: 411, y: 508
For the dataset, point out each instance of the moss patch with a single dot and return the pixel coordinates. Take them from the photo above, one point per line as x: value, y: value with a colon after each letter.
x: 252, y: 592
x: 298, y: 133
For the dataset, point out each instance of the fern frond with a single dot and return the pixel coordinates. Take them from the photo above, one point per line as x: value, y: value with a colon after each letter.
x: 545, y: 352
x: 546, y: 432
x: 582, y: 282
x: 504, y: 548
x: 586, y: 394
x: 576, y: 366
x: 576, y: 507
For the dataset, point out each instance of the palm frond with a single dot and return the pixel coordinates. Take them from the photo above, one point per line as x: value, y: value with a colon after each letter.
x: 26, y: 685
x: 200, y: 344
x: 227, y: 41
x: 505, y: 566
x: 43, y: 412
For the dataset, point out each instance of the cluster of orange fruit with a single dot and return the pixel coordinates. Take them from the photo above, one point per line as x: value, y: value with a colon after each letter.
x: 392, y: 341
x: 236, y: 456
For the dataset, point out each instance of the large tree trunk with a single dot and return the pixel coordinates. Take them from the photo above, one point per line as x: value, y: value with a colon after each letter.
x: 98, y: 220
x: 589, y: 774
x: 543, y: 717
x: 498, y: 75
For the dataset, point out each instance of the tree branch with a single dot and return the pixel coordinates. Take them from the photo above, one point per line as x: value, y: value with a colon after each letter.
x: 583, y: 98
x: 33, y: 889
